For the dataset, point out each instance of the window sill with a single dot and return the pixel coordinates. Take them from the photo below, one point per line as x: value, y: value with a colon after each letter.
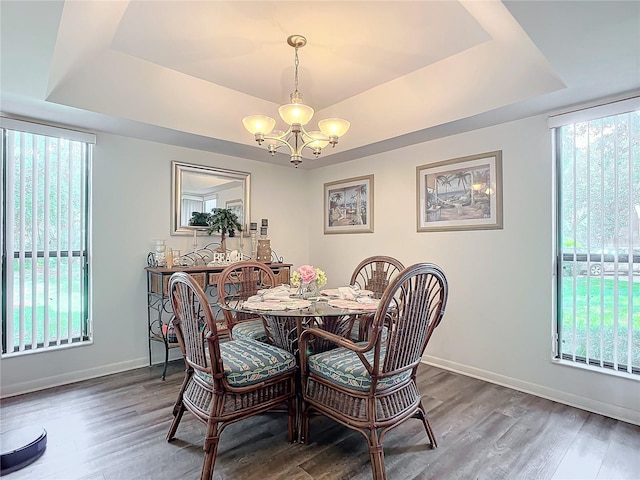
x: 595, y: 369
x: 48, y: 349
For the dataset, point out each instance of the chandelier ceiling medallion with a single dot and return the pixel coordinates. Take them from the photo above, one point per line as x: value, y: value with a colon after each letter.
x: 296, y: 114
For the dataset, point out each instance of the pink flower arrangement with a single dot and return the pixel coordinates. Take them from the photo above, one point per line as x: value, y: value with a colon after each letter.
x: 307, y: 274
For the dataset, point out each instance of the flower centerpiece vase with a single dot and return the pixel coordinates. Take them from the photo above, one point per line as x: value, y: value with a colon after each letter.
x: 307, y: 290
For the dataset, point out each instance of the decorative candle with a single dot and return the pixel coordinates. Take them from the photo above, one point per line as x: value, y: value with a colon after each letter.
x: 254, y: 226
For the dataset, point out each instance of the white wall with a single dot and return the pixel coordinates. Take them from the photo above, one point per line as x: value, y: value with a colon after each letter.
x: 499, y: 318
x: 131, y: 207
x: 498, y: 321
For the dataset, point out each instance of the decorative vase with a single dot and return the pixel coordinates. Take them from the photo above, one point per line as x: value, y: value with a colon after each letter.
x: 307, y: 290
x: 263, y: 253
x: 160, y: 253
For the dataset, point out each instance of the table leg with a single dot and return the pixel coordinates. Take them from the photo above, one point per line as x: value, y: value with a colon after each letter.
x: 284, y: 331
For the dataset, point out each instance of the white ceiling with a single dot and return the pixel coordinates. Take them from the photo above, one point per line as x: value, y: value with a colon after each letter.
x: 186, y: 72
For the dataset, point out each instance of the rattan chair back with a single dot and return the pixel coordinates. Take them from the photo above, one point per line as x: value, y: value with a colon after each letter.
x: 372, y: 273
x: 415, y: 303
x: 194, y: 323
x: 240, y: 281
x: 375, y: 273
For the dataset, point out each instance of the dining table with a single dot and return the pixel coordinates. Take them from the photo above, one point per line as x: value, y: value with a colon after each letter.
x: 286, y: 316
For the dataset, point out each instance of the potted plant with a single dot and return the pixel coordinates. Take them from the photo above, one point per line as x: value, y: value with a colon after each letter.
x: 225, y: 222
x: 199, y: 219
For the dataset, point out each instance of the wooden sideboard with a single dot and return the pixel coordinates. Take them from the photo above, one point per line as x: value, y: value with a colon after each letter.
x: 160, y: 312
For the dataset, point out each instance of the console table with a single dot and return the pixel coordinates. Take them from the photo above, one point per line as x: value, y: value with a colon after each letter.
x: 160, y: 312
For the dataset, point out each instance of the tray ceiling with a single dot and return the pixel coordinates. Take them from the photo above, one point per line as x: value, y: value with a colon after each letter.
x: 186, y: 72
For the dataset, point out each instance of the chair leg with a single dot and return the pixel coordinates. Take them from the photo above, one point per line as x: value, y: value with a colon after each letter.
x: 178, y: 410
x: 376, y: 454
x: 293, y: 424
x: 304, y: 423
x: 432, y: 437
x: 211, y: 442
x: 427, y: 426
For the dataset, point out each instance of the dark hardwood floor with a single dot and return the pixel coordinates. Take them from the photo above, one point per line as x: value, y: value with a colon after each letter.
x: 114, y: 427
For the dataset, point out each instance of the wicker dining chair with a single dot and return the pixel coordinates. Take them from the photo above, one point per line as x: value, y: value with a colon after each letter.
x: 240, y: 281
x: 371, y: 386
x: 372, y: 273
x: 224, y: 382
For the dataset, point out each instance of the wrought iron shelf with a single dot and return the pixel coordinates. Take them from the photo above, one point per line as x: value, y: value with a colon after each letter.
x: 159, y: 310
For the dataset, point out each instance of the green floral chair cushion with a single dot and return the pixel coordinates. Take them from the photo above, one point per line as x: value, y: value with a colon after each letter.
x: 252, y: 330
x: 343, y: 366
x: 247, y: 362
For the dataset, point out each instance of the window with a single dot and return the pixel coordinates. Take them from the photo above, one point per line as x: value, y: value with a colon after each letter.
x: 192, y: 203
x: 45, y: 259
x: 210, y: 202
x: 598, y: 230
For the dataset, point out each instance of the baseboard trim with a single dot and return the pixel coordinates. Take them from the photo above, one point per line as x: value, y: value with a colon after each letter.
x: 595, y: 406
x: 71, y: 377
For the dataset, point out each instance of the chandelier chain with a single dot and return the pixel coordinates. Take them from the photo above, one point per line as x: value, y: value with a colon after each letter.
x: 297, y: 62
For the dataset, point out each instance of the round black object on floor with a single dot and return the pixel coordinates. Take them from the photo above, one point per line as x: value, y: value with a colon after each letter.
x: 20, y: 447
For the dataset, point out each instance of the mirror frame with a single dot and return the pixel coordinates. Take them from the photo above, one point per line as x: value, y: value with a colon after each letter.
x: 178, y: 168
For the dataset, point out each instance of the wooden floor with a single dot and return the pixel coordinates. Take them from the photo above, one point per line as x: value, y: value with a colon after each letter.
x: 114, y: 427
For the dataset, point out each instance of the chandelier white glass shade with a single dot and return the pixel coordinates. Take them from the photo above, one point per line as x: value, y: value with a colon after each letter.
x: 296, y: 114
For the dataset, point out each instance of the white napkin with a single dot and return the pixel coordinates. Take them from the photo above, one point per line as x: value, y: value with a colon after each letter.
x: 366, y: 300
x: 347, y: 293
x: 362, y: 303
x: 280, y: 293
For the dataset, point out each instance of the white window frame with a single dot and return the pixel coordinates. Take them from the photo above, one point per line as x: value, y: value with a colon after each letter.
x: 43, y: 336
x: 625, y: 369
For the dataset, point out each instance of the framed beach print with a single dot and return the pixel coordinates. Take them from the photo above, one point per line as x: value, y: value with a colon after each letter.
x: 237, y: 207
x: 348, y: 205
x: 460, y: 194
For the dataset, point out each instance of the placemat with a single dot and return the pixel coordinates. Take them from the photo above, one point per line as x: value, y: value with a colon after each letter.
x: 371, y: 304
x: 292, y: 304
x: 333, y: 292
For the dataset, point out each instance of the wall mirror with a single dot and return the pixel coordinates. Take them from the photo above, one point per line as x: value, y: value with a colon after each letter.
x: 196, y: 188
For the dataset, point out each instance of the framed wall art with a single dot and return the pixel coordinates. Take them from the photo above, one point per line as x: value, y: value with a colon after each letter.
x: 460, y: 194
x: 348, y: 205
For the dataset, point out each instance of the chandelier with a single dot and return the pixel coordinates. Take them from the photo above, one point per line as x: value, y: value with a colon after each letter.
x: 296, y: 114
